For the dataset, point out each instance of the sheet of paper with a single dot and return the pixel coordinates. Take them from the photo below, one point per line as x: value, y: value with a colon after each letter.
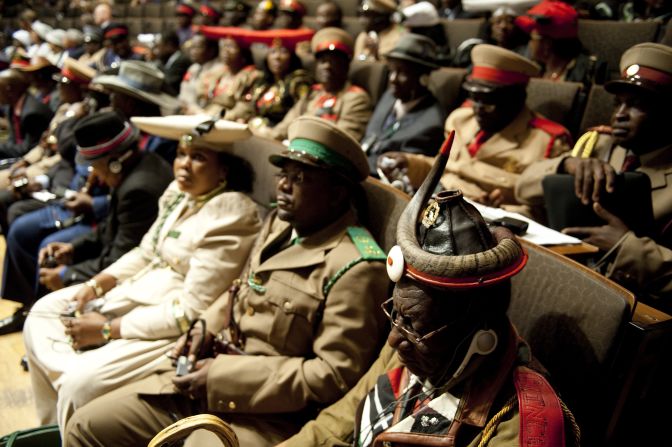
x: 536, y: 232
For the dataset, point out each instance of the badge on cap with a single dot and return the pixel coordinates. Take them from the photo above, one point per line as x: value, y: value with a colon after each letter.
x: 632, y: 70
x: 430, y: 214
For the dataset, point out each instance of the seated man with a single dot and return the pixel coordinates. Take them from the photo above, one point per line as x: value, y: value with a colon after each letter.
x: 407, y: 118
x: 496, y: 135
x: 28, y: 118
x: 637, y: 140
x: 136, y: 179
x: 201, y: 78
x: 333, y: 98
x: 455, y: 367
x: 296, y: 332
x: 380, y: 34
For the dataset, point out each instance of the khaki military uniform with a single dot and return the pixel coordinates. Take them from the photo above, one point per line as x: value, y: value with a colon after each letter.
x: 499, y: 161
x: 387, y: 40
x: 309, y: 317
x: 640, y: 264
x: 350, y: 110
x: 187, y: 259
x: 199, y: 82
x: 230, y: 89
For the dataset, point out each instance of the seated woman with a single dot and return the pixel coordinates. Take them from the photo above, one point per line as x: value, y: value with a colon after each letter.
x: 189, y: 257
x: 554, y: 44
x: 269, y: 98
x: 239, y: 71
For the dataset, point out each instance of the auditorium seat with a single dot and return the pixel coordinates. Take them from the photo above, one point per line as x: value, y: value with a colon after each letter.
x: 557, y: 101
x: 459, y: 30
x: 353, y: 26
x: 371, y: 76
x: 609, y: 39
x: 152, y: 10
x: 575, y: 321
x: 599, y: 107
x: 446, y: 85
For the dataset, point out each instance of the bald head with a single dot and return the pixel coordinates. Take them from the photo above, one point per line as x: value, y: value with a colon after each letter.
x: 102, y: 13
x: 13, y: 84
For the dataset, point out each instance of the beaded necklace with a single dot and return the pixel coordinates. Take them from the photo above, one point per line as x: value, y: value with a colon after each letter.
x: 199, y: 201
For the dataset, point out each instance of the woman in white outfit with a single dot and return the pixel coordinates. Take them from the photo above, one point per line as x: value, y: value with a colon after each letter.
x: 190, y: 256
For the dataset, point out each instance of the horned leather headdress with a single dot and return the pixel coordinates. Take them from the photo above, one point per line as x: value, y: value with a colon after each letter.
x: 444, y: 242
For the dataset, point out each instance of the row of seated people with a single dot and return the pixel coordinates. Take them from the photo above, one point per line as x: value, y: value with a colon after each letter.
x: 300, y: 322
x: 491, y: 66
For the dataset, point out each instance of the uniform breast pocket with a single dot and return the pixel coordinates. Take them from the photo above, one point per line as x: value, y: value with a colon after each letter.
x: 296, y: 314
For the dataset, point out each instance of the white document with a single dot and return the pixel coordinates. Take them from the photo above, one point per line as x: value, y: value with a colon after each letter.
x: 536, y: 232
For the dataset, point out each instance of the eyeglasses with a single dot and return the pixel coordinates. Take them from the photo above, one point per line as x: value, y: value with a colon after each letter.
x: 295, y: 178
x: 410, y: 334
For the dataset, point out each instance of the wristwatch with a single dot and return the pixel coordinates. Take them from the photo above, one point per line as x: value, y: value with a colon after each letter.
x: 106, y: 330
x: 97, y: 289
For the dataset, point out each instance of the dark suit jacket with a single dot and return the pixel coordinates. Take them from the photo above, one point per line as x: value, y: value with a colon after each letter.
x: 35, y: 118
x: 133, y: 208
x: 420, y: 131
x: 174, y: 71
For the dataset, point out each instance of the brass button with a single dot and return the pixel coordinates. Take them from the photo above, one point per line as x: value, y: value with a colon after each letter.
x: 287, y: 305
x: 250, y: 311
x: 232, y: 405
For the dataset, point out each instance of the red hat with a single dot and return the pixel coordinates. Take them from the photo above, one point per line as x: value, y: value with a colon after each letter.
x: 550, y: 18
x: 115, y: 30
x: 75, y: 72
x: 185, y: 9
x: 209, y: 11
x: 287, y: 38
x: 293, y: 6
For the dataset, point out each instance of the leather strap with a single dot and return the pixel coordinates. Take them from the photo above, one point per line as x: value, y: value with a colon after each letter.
x: 541, y: 418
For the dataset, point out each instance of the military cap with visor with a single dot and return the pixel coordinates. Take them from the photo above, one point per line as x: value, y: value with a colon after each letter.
x: 185, y: 9
x: 645, y: 67
x: 332, y: 39
x: 444, y: 242
x: 495, y: 67
x: 74, y: 72
x: 379, y: 6
x: 320, y: 143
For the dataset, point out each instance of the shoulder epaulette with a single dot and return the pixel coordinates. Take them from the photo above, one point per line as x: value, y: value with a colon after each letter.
x: 355, y: 89
x: 548, y: 126
x: 368, y: 250
x: 587, y: 142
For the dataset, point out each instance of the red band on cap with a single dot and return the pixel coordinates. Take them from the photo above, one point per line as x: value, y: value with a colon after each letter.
x: 333, y: 45
x: 184, y: 9
x: 107, y: 146
x: 208, y: 11
x: 468, y: 282
x: 498, y: 76
x: 650, y: 74
x: 114, y: 32
x: 73, y: 76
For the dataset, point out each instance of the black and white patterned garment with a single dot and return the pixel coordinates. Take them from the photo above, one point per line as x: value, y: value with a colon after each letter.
x: 421, y: 411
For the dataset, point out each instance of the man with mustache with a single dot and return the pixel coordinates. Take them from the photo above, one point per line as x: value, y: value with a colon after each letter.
x: 453, y: 363
x: 296, y: 332
x: 333, y: 98
x: 637, y: 141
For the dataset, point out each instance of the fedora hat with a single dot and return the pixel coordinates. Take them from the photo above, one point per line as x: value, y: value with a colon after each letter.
x: 320, y: 143
x: 103, y: 134
x: 140, y: 80
x: 444, y: 242
x: 414, y: 48
x: 196, y: 130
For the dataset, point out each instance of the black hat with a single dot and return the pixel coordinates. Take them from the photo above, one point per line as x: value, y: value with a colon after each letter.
x: 415, y: 48
x: 103, y: 134
x: 444, y: 241
x: 115, y: 31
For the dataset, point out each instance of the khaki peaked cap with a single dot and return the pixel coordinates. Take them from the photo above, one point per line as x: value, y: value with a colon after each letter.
x: 382, y: 6
x: 320, y: 143
x: 500, y: 67
x: 645, y: 65
x: 332, y: 39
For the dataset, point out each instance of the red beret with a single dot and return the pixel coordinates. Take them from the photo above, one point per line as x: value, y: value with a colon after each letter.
x: 550, y: 18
